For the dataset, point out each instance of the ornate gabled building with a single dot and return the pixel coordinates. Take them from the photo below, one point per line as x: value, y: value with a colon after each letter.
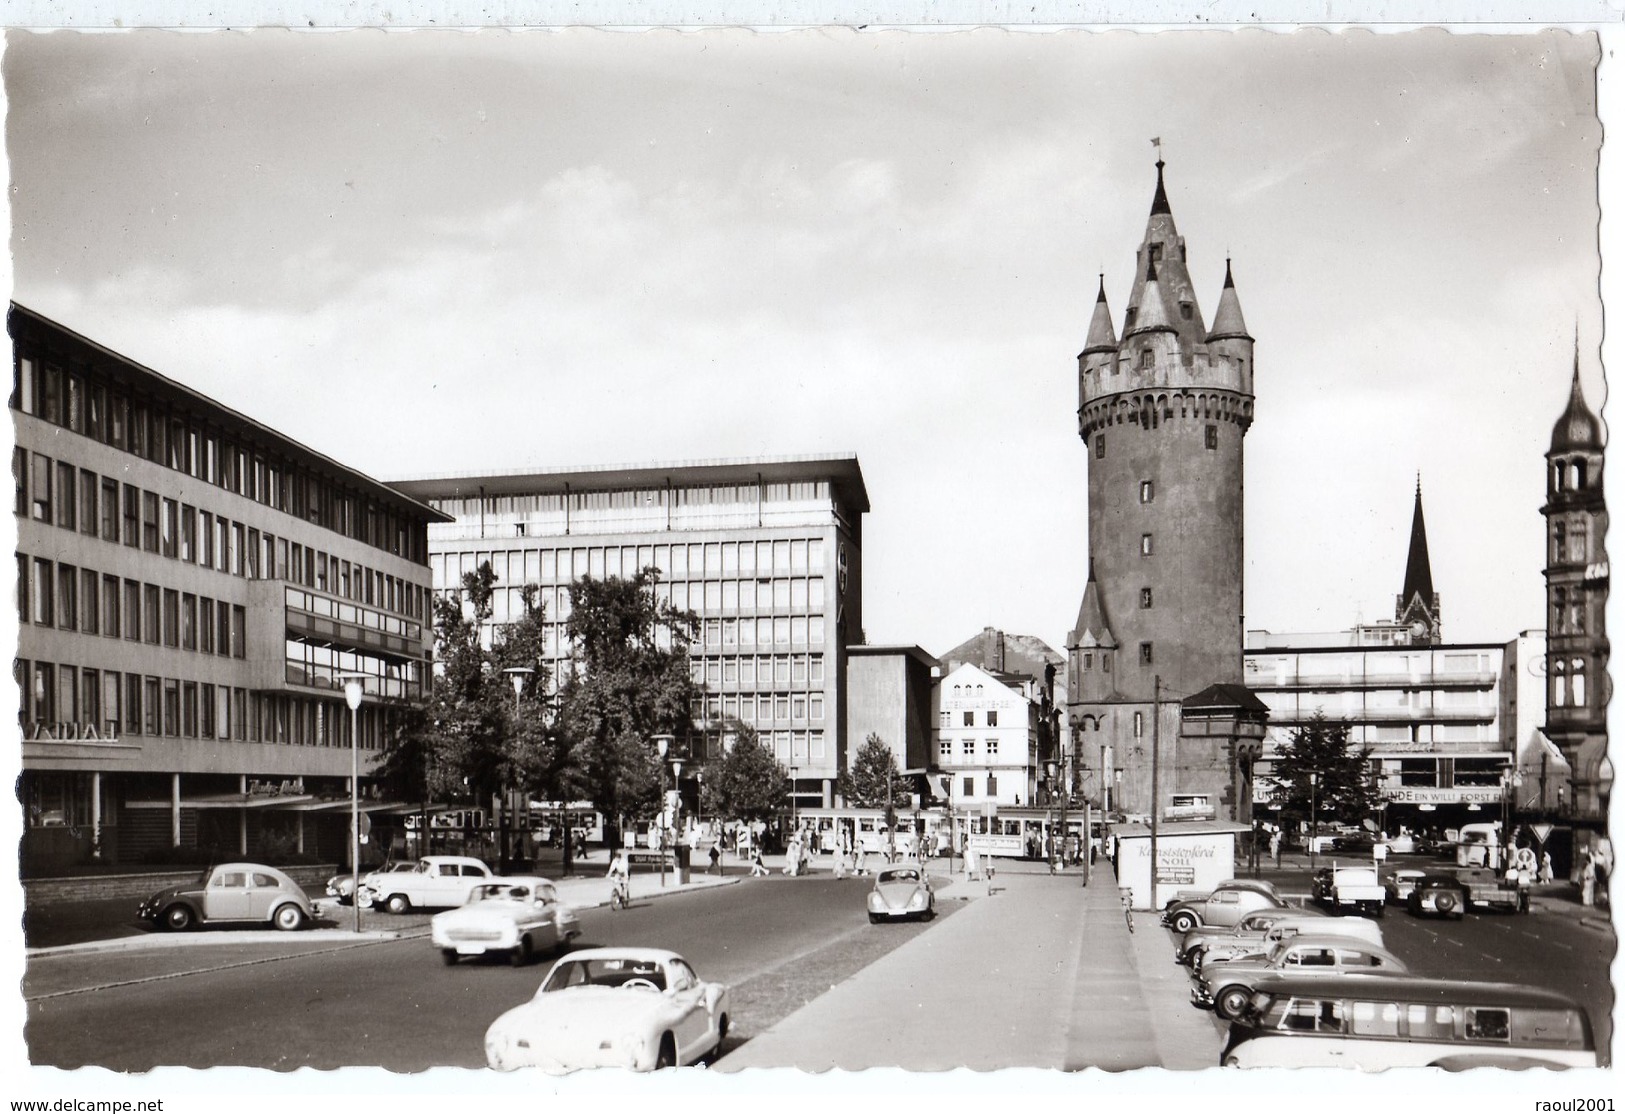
x: 1163, y: 411
x: 1577, y: 686
x: 1416, y: 608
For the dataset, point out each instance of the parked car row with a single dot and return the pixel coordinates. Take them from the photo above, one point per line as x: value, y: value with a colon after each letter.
x: 1303, y: 989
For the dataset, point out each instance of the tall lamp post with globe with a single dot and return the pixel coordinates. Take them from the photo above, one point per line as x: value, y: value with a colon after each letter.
x: 510, y: 811
x: 352, y: 697
x: 662, y: 745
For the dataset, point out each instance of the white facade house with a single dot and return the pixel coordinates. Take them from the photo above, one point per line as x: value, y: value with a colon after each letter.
x: 985, y: 739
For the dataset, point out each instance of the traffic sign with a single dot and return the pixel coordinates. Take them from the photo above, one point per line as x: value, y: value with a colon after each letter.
x: 1541, y: 832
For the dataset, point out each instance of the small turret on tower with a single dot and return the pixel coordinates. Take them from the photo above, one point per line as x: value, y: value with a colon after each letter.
x: 1229, y: 337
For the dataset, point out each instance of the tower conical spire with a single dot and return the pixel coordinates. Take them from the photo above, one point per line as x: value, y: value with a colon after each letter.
x: 1159, y: 202
x: 1227, y: 319
x: 1162, y: 253
x: 1101, y: 337
x: 1153, y: 312
x: 1092, y: 628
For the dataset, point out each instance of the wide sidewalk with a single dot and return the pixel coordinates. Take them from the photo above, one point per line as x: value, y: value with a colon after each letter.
x: 1034, y: 971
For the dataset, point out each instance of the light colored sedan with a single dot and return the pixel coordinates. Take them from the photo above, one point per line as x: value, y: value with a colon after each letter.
x: 1227, y: 987
x: 636, y: 1008
x: 518, y: 917
x: 901, y: 893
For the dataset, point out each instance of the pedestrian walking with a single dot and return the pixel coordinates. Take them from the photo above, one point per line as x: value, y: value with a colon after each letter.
x: 1275, y: 847
x: 862, y: 859
x: 973, y: 862
x: 757, y: 869
x: 1545, y: 867
x: 716, y: 858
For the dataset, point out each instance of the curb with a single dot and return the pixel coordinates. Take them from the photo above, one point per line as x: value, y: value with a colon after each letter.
x: 190, y: 939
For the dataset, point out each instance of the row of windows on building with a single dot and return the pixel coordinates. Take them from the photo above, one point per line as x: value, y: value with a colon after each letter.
x: 1087, y: 658
x: 316, y: 665
x: 803, y: 671
x: 109, y: 412
x: 967, y: 748
x: 52, y: 594
x: 1418, y: 667
x: 759, y: 709
x: 694, y: 560
x: 119, y: 513
x: 783, y: 632
x: 967, y: 717
x: 115, y: 703
x: 795, y: 749
x: 1475, y: 771
x: 715, y: 495
x: 1210, y: 439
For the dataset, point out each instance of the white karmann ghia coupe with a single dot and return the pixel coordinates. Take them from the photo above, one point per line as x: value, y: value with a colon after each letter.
x: 517, y: 916
x: 637, y: 1008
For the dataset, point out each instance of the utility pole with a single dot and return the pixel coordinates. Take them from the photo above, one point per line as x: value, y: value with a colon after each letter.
x: 1156, y: 743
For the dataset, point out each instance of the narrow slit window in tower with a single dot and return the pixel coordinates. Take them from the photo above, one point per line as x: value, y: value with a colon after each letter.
x: 1145, y: 545
x: 1147, y: 491
x: 1145, y: 653
x: 1145, y: 598
x: 1212, y: 436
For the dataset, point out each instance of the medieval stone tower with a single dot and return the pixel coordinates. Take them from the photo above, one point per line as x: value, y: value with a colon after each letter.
x: 1162, y: 411
x: 1577, y: 686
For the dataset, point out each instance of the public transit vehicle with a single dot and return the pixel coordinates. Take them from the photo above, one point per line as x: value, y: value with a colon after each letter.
x: 1374, y: 1022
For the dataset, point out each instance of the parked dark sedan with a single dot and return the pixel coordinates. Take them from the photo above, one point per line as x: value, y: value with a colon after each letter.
x: 231, y: 893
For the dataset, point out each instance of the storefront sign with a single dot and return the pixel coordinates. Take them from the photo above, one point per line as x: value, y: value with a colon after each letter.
x: 287, y: 787
x: 1176, y: 875
x: 1416, y: 795
x: 73, y: 732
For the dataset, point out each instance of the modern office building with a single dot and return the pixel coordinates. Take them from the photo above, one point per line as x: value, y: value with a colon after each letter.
x: 1163, y: 412
x: 191, y: 586
x: 767, y: 552
x: 1441, y: 722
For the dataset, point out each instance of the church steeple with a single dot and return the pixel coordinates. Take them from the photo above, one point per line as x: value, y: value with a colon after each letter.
x: 1418, y: 604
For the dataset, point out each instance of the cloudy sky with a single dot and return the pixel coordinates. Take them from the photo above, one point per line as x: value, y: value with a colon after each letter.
x: 439, y: 252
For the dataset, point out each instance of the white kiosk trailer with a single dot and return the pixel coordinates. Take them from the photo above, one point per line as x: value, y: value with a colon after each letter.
x: 1191, y: 855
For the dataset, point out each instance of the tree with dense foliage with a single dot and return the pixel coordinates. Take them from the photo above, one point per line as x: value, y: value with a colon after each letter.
x: 629, y: 682
x: 1346, y: 789
x: 748, y: 783
x: 473, y: 736
x: 874, y: 780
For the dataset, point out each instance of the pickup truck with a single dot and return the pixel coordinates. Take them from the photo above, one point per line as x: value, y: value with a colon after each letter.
x: 1487, y: 889
x: 1344, y: 888
x: 441, y: 881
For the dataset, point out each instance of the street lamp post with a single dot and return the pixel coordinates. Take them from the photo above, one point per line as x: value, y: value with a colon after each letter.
x: 1314, y: 818
x: 516, y: 674
x: 677, y: 815
x: 663, y: 744
x: 352, y: 697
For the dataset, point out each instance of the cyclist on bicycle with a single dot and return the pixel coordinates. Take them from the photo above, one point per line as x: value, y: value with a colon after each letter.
x: 621, y: 893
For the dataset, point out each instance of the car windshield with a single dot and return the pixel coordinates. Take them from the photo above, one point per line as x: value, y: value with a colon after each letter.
x: 605, y: 971
x: 907, y: 875
x: 499, y: 893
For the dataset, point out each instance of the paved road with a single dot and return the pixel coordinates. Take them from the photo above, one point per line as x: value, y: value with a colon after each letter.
x: 288, y: 1003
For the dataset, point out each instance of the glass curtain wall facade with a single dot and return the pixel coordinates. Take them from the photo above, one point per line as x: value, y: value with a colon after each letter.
x: 766, y: 553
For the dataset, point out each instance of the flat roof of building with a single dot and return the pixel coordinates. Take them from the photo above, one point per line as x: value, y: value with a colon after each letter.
x: 231, y: 422
x: 841, y: 469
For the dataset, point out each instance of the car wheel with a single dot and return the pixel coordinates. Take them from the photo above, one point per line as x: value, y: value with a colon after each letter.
x: 520, y: 955
x: 288, y: 917
x: 448, y: 956
x: 874, y: 918
x: 397, y: 903
x: 1229, y: 1002
x: 1183, y: 921
x: 667, y: 1056
x: 1445, y: 904
x: 1377, y: 911
x: 178, y: 918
